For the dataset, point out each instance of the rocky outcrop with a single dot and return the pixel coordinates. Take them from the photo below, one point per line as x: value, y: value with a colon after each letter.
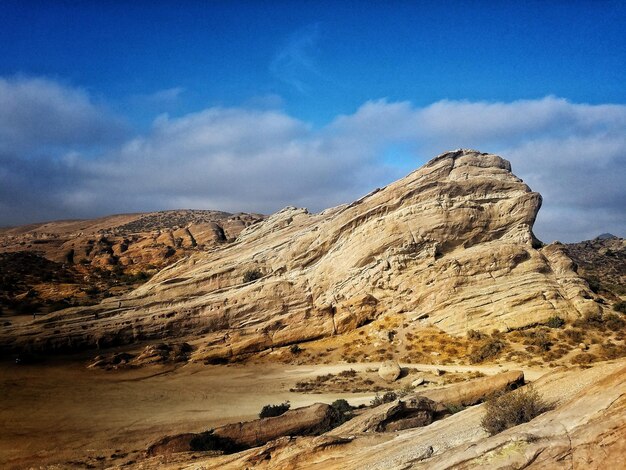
x: 452, y: 240
x: 424, y: 404
x: 171, y: 445
x: 306, y: 421
x: 406, y: 413
x: 474, y: 391
x: 602, y: 262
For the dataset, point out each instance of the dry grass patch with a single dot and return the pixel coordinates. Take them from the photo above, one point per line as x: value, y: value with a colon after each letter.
x: 510, y: 409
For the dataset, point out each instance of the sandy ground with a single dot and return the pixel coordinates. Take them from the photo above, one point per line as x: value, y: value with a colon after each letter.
x: 58, y: 412
x: 62, y: 412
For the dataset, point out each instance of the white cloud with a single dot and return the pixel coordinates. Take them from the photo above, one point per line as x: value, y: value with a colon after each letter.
x: 35, y: 112
x: 263, y: 159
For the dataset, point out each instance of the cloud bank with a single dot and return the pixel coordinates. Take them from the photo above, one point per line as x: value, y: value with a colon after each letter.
x: 61, y: 157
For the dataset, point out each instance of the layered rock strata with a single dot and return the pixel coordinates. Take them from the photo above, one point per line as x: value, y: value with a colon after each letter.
x: 452, y: 241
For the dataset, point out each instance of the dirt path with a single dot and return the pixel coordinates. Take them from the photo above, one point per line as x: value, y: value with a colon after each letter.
x: 57, y: 412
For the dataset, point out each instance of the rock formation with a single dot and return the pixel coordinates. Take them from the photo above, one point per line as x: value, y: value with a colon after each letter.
x: 305, y: 421
x: 587, y: 429
x: 452, y: 241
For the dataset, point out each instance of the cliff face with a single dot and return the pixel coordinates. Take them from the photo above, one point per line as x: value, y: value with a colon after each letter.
x: 452, y: 241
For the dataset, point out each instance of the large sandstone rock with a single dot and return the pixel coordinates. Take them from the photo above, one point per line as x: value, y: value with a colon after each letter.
x: 306, y: 421
x: 474, y: 391
x: 452, y: 240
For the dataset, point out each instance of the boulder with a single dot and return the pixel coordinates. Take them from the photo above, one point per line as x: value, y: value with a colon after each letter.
x: 305, y: 421
x: 417, y: 382
x: 389, y: 371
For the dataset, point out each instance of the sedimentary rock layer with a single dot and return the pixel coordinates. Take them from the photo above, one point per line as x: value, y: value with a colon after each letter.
x: 452, y: 241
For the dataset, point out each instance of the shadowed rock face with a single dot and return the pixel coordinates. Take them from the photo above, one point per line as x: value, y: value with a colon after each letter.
x: 305, y: 421
x: 452, y: 240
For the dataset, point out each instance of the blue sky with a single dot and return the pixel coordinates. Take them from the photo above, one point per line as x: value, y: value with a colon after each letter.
x: 258, y: 105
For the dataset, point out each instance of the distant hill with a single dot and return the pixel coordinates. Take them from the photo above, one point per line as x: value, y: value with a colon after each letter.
x: 602, y: 261
x: 52, y: 265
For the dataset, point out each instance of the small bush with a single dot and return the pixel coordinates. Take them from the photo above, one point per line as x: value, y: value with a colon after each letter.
x: 388, y: 397
x: 348, y: 373
x: 269, y: 411
x: 474, y: 335
x: 342, y: 406
x: 590, y: 320
x: 295, y: 349
x: 574, y: 336
x: 487, y: 350
x: 594, y: 284
x: 252, y: 275
x: 583, y: 358
x: 453, y: 409
x: 555, y: 322
x: 620, y: 307
x: 613, y: 322
x: 513, y: 408
x: 539, y: 338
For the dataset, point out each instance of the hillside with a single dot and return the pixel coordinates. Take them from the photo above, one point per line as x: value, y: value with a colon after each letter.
x: 49, y: 266
x: 602, y: 262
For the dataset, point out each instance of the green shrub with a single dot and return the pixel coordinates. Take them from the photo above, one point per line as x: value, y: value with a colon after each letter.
x: 620, y: 307
x: 252, y: 275
x: 342, y: 406
x: 343, y: 413
x: 269, y: 411
x: 513, y: 408
x: 555, y: 322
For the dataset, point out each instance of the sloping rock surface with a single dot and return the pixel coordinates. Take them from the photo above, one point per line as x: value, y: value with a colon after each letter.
x: 461, y: 394
x: 452, y: 240
x: 587, y: 429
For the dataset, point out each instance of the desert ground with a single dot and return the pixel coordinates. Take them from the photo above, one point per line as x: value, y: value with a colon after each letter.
x: 55, y: 412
